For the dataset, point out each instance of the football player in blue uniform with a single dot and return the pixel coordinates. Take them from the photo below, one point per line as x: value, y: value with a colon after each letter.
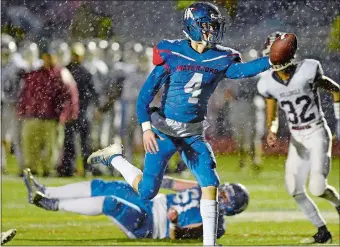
x: 189, y: 69
x: 175, y: 216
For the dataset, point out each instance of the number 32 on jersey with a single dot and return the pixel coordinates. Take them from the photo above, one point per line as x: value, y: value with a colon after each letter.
x: 290, y: 107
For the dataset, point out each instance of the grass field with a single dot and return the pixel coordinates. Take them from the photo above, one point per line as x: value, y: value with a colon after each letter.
x: 272, y: 217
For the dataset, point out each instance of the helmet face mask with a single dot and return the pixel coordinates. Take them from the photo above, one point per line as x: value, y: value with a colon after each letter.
x: 204, y: 23
x: 269, y: 41
x: 233, y: 198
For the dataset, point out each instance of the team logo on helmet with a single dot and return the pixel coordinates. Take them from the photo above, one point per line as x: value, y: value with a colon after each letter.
x: 188, y: 13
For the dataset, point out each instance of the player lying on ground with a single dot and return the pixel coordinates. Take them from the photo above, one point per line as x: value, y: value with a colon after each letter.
x: 175, y: 216
x: 189, y: 69
x: 294, y: 86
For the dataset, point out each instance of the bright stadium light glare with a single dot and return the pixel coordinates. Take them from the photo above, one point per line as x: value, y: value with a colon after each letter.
x: 253, y: 53
x: 103, y: 44
x: 33, y: 46
x: 115, y: 46
x: 138, y: 47
x: 63, y: 46
x: 91, y: 45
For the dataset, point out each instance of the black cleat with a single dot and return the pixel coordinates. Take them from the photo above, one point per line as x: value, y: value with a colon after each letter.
x: 338, y: 209
x: 321, y: 237
x: 8, y: 236
x: 28, y: 183
x: 41, y: 201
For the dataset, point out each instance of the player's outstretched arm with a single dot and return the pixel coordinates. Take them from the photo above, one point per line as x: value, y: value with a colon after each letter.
x: 249, y: 69
x: 177, y: 184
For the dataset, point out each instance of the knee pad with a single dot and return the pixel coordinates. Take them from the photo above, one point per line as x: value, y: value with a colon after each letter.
x: 290, y: 184
x: 317, y: 184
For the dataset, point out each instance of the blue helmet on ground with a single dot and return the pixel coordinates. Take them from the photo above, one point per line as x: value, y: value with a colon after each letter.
x: 233, y: 198
x: 203, y: 18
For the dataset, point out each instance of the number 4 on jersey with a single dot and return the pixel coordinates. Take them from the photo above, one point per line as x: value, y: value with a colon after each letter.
x: 194, y: 87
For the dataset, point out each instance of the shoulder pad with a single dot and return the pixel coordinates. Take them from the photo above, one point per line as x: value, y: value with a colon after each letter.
x: 312, y: 62
x: 235, y: 55
x: 263, y: 82
x: 162, y: 50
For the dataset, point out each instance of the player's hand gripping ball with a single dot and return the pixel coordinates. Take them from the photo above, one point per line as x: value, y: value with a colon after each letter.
x: 283, y: 49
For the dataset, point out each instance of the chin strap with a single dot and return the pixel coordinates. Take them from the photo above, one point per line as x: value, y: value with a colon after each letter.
x: 203, y: 42
x: 279, y: 67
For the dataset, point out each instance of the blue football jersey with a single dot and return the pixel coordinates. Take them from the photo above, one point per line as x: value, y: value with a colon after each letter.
x: 187, y: 205
x: 190, y: 78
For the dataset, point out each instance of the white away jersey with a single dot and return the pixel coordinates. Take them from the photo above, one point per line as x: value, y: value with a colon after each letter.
x: 299, y: 96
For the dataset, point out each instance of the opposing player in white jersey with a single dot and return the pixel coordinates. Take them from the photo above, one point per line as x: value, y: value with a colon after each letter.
x: 294, y: 87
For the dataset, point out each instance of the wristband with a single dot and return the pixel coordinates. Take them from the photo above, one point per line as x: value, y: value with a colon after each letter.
x: 167, y: 183
x: 146, y: 126
x: 275, y: 125
x: 337, y: 110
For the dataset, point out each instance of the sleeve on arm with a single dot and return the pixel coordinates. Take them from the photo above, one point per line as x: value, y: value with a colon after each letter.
x: 153, y: 83
x: 249, y: 69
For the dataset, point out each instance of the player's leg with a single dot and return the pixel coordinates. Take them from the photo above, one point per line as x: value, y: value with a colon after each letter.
x: 130, y: 218
x: 74, y: 190
x: 320, y: 146
x: 296, y: 173
x: 147, y: 183
x: 67, y: 166
x: 31, y: 143
x: 85, y: 140
x: 50, y: 139
x: 200, y: 159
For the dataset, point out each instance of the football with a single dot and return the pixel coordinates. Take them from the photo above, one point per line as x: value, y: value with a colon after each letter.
x: 283, y: 49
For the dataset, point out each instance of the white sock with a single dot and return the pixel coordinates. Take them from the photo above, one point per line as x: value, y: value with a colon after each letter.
x: 309, y: 208
x: 86, y: 206
x: 128, y: 171
x: 209, y: 215
x: 76, y: 190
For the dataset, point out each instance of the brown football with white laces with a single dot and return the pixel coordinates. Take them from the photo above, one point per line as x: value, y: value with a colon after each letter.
x: 283, y: 49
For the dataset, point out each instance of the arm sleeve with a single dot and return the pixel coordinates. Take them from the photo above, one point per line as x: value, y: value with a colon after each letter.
x: 249, y: 69
x: 153, y: 83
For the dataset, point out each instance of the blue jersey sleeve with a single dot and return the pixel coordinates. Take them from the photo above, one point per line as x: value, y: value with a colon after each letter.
x: 156, y: 79
x: 249, y: 69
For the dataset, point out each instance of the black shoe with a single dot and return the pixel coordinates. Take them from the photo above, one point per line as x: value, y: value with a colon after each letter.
x: 338, y: 209
x: 42, y: 201
x: 7, y: 236
x: 321, y: 237
x: 28, y: 183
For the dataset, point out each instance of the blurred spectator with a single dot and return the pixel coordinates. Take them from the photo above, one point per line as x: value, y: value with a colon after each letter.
x: 242, y: 114
x: 135, y: 67
x: 87, y: 93
x: 13, y: 67
x: 44, y: 100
